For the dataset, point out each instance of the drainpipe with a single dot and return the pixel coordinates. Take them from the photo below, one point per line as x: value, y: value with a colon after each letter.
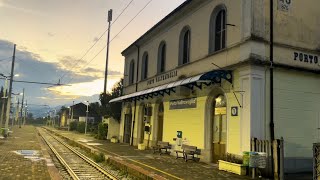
x: 135, y: 100
x: 271, y: 73
x: 271, y: 82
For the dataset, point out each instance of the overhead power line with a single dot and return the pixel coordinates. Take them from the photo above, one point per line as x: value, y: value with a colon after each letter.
x: 78, y: 61
x: 42, y: 83
x: 5, y: 59
x: 114, y: 37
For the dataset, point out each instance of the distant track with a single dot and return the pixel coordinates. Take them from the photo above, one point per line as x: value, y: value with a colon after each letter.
x: 76, y: 164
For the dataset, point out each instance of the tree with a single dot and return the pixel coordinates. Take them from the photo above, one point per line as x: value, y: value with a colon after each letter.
x: 112, y: 109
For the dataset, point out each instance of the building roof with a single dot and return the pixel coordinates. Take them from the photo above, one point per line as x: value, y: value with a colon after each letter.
x: 183, y: 5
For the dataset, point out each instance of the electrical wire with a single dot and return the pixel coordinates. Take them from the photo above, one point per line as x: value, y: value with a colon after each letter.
x: 113, y: 38
x: 78, y: 61
x: 5, y: 59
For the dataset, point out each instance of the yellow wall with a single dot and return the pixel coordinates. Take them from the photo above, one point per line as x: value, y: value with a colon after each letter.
x: 189, y: 121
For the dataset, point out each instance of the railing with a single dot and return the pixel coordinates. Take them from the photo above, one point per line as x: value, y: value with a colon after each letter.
x: 275, y: 156
x: 316, y: 161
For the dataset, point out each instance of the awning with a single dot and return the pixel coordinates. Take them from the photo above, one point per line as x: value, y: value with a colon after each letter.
x: 212, y: 77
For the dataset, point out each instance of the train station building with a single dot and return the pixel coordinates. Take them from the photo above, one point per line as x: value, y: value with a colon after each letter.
x: 203, y: 72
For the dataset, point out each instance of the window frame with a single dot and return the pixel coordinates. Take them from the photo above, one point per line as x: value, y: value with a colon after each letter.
x: 213, y: 29
x: 144, y: 66
x: 182, y: 46
x: 131, y: 72
x: 162, y: 57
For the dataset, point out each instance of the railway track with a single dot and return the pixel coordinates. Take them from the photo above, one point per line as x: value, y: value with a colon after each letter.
x: 76, y: 164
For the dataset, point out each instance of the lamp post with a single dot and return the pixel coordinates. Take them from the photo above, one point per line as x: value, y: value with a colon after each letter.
x: 68, y: 119
x: 85, y: 129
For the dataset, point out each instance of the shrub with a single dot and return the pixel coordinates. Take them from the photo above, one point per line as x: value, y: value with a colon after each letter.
x: 73, y: 125
x: 102, y: 131
x: 81, y: 127
x: 98, y: 158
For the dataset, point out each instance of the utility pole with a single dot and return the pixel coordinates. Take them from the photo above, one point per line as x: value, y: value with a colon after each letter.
x: 20, y: 119
x: 3, y: 102
x: 10, y: 91
x: 72, y: 111
x: 17, y: 111
x: 25, y: 113
x: 107, y: 56
x: 85, y: 129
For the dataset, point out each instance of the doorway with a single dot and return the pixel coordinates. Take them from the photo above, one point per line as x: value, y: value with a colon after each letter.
x: 127, y: 128
x: 219, y: 128
x: 160, y: 122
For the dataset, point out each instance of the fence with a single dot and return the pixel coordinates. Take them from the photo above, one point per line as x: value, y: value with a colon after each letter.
x: 316, y: 161
x: 275, y: 156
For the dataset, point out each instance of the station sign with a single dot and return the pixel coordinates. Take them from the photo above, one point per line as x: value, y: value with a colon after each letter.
x: 183, y: 104
x: 163, y: 77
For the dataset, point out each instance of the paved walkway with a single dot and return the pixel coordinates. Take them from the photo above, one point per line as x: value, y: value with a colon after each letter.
x: 16, y: 166
x: 164, y: 165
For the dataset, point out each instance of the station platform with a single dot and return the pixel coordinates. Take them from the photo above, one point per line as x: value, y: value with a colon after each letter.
x: 152, y: 166
x: 22, y: 156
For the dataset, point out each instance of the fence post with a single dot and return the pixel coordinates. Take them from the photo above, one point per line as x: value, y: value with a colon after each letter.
x: 275, y: 159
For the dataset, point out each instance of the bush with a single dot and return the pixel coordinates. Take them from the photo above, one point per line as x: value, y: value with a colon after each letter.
x: 73, y: 125
x: 98, y: 158
x: 102, y: 131
x: 81, y: 127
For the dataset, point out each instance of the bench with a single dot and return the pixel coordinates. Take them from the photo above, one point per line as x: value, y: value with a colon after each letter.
x: 188, y: 151
x: 162, y: 146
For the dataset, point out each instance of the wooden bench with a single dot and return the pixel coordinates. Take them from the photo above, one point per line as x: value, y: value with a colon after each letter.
x: 162, y: 146
x: 187, y: 151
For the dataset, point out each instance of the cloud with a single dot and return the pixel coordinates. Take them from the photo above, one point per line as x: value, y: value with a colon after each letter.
x: 50, y: 34
x: 32, y: 67
x: 10, y: 5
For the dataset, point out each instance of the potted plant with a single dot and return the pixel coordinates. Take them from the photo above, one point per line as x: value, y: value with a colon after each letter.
x: 232, y: 164
x: 114, y: 139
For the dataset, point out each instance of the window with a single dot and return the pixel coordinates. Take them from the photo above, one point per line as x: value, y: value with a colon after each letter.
x: 131, y: 72
x: 217, y: 39
x: 144, y: 68
x: 162, y: 57
x: 184, y: 49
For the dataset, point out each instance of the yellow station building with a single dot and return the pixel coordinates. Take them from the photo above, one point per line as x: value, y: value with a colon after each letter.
x: 204, y: 71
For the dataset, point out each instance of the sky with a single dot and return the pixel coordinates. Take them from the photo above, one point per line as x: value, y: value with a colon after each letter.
x: 52, y: 38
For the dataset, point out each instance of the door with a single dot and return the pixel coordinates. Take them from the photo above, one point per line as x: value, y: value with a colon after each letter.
x: 127, y: 128
x: 219, y: 129
x: 160, y: 122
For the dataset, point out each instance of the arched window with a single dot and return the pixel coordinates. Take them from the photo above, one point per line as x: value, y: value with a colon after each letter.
x: 162, y: 57
x: 217, y: 39
x: 184, y: 46
x: 144, y: 68
x: 131, y: 72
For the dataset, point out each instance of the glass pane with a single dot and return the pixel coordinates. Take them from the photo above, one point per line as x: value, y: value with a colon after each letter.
x: 163, y: 58
x: 186, y: 41
x: 217, y: 43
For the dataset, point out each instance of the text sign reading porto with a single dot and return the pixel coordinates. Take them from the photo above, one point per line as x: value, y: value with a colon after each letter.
x: 183, y: 103
x: 163, y: 77
x: 306, y: 58
x: 284, y: 5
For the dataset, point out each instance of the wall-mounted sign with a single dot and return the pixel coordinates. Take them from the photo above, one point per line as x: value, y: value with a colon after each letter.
x: 234, y: 111
x: 284, y: 5
x: 220, y: 111
x: 306, y: 58
x: 163, y: 77
x: 183, y: 103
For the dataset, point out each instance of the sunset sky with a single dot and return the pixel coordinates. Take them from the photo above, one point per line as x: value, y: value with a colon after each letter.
x: 52, y: 36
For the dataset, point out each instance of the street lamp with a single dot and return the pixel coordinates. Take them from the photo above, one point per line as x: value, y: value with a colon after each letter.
x: 68, y: 120
x: 85, y: 129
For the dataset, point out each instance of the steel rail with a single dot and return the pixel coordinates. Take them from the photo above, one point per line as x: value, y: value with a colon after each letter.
x: 62, y: 161
x: 85, y: 158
